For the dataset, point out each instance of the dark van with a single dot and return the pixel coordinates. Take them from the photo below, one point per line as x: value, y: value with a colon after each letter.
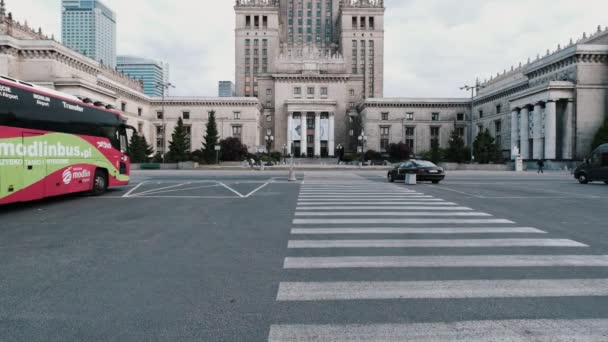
x: 595, y: 168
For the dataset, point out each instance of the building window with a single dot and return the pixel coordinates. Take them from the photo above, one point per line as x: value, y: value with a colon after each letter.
x: 460, y: 131
x: 324, y: 91
x: 310, y: 92
x: 268, y: 118
x: 409, y: 116
x: 384, y: 138
x: 269, y: 132
x: 297, y: 91
x: 310, y: 122
x: 435, y: 136
x: 410, y: 137
x: 123, y: 106
x: 435, y: 117
x: 352, y: 92
x: 186, y: 115
x: 498, y: 109
x: 160, y: 137
x: 384, y: 116
x: 159, y: 115
x: 139, y: 111
x: 237, y: 132
x: 268, y: 92
x: 460, y: 116
x: 481, y: 114
x: 237, y: 115
x: 140, y: 128
x: 498, y: 129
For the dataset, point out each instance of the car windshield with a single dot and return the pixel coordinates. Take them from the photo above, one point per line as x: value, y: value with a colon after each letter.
x: 424, y: 163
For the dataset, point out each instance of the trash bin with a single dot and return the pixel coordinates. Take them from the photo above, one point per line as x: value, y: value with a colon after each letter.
x: 410, y: 179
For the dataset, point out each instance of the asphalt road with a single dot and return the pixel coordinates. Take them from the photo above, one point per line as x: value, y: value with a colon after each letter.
x: 247, y: 256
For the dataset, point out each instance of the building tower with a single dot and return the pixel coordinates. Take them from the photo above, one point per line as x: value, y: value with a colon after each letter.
x: 362, y: 42
x: 89, y: 27
x: 257, y: 42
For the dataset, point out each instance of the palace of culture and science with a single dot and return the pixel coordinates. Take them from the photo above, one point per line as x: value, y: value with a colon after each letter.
x: 310, y: 74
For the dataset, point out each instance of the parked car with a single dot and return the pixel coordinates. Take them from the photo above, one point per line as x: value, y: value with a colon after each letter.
x: 594, y: 168
x: 425, y: 171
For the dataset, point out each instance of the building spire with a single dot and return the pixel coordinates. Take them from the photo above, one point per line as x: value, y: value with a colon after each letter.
x: 2, y: 8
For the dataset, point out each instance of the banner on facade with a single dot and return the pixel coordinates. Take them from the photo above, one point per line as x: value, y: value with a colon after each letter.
x: 296, y: 131
x: 324, y: 129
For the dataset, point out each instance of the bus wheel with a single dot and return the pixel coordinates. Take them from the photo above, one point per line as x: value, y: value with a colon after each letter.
x: 100, y: 183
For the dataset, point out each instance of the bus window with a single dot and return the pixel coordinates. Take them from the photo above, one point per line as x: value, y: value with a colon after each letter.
x: 605, y: 159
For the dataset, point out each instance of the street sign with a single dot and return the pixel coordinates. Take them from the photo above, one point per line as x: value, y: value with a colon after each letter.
x: 218, y: 148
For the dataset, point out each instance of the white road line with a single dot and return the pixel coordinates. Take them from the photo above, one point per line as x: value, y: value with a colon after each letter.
x: 321, y: 291
x: 401, y: 221
x: 367, y: 203
x: 180, y: 189
x: 591, y: 330
x: 163, y: 188
x: 256, y: 190
x: 433, y: 243
x: 448, y: 261
x: 365, y: 197
x: 375, y: 191
x: 424, y: 201
x: 232, y: 190
x: 448, y: 208
x: 456, y: 191
x: 383, y: 230
x: 391, y: 213
x: 132, y: 190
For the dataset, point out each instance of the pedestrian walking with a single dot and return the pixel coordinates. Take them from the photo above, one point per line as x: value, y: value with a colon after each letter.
x: 541, y: 166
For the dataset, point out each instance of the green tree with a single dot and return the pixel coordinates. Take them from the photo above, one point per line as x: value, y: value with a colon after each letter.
x: 211, y: 139
x: 179, y: 146
x: 147, y: 149
x: 485, y: 148
x: 435, y: 155
x: 135, y: 149
x: 456, y: 152
x: 601, y: 137
x: 399, y: 152
x: 233, y: 149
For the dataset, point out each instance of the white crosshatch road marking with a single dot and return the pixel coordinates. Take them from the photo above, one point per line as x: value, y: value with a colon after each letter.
x: 400, y: 221
x: 392, y: 213
x: 447, y: 261
x: 434, y: 243
x: 447, y: 289
x: 425, y: 230
x: 591, y: 330
x: 326, y: 214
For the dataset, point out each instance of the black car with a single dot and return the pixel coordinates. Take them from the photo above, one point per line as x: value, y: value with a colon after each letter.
x: 594, y: 168
x: 424, y: 170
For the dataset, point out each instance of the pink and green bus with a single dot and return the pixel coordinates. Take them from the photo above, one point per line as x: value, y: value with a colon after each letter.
x: 54, y: 144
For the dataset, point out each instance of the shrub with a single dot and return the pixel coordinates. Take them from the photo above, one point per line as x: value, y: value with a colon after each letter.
x: 456, y: 152
x: 373, y: 155
x: 232, y: 149
x: 399, y: 152
x: 486, y: 149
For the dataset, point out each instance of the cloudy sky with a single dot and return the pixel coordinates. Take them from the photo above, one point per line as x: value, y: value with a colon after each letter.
x: 432, y: 46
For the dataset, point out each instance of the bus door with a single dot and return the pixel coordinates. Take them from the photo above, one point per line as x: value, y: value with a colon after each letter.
x: 34, y: 171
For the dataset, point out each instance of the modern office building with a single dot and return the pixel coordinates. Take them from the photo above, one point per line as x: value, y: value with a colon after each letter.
x: 89, y: 27
x: 226, y: 89
x: 149, y: 71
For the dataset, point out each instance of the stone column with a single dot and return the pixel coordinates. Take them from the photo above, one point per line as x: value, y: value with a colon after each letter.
x: 538, y: 132
x: 514, y: 131
x: 524, y: 128
x: 304, y: 135
x: 568, y: 137
x: 317, y: 134
x: 331, y: 144
x: 289, y: 131
x: 550, y: 130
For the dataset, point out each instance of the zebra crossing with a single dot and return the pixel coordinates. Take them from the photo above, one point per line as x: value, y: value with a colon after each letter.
x: 340, y: 225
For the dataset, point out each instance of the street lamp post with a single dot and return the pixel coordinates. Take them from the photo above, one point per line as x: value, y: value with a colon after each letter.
x: 340, y: 148
x: 269, y: 140
x: 473, y: 89
x: 164, y: 86
x: 362, y: 140
x: 285, y: 153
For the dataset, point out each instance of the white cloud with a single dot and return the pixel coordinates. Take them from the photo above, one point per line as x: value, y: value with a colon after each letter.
x: 432, y: 46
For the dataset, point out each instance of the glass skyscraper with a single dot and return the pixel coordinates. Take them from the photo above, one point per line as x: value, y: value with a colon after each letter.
x: 226, y: 89
x: 151, y: 72
x: 89, y: 27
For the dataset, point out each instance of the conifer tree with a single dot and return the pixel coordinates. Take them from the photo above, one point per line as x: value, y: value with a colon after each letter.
x: 211, y: 139
x: 179, y: 146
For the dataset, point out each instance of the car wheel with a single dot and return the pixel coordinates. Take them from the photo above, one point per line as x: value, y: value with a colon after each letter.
x: 100, y: 183
x: 390, y: 178
x: 582, y: 178
x: 436, y: 182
